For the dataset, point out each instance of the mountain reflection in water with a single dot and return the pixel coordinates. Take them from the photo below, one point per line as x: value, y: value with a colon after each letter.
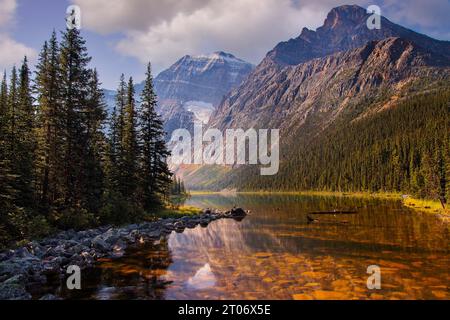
x: 274, y: 253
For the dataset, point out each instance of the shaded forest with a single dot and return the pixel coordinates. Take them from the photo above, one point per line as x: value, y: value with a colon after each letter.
x: 63, y: 162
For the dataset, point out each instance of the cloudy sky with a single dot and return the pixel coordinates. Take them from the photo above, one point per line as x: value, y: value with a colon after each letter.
x: 122, y: 35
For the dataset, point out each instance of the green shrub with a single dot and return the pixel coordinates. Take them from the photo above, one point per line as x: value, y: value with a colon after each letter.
x: 38, y: 227
x: 120, y: 211
x: 76, y: 218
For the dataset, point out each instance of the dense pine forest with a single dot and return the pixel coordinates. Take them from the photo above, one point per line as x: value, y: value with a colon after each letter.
x: 63, y: 162
x: 402, y: 149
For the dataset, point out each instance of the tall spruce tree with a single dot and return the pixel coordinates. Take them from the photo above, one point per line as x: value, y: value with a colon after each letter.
x: 12, y: 135
x: 49, y: 127
x: 447, y: 162
x: 25, y: 140
x: 155, y: 177
x: 3, y: 120
x: 129, y: 152
x: 3, y: 97
x: 7, y: 191
x: 95, y: 116
x: 12, y: 113
x: 74, y: 61
x: 115, y: 139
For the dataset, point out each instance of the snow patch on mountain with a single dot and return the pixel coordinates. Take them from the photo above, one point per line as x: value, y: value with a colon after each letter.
x: 202, y: 110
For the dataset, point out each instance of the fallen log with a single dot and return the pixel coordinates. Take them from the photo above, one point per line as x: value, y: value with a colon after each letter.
x: 334, y: 212
x: 314, y: 220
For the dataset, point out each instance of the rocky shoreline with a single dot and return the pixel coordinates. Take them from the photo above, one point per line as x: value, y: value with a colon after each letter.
x: 32, y: 264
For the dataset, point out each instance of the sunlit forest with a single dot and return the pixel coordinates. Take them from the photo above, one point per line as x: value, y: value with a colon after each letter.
x: 403, y: 149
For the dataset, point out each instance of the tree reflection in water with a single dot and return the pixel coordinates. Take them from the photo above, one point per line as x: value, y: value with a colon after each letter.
x: 137, y: 275
x: 274, y: 253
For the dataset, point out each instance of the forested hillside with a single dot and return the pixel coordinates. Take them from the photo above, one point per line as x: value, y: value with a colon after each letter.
x: 405, y: 148
x: 357, y: 110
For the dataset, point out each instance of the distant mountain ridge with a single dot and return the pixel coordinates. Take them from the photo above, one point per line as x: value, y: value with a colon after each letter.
x: 289, y: 83
x: 193, y: 87
x: 338, y: 74
x: 345, y: 28
x: 205, y: 78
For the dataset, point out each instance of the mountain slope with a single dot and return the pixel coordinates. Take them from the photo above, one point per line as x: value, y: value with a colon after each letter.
x: 344, y: 29
x: 284, y: 82
x: 319, y: 90
x: 339, y: 75
x: 204, y: 78
x: 405, y: 148
x: 193, y: 87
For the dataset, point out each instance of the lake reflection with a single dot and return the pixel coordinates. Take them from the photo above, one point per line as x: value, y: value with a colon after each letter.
x: 274, y: 253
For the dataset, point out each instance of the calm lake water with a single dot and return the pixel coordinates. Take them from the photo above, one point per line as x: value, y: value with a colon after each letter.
x: 275, y: 253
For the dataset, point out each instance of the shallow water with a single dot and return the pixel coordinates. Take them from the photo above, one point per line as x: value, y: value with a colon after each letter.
x: 274, y: 253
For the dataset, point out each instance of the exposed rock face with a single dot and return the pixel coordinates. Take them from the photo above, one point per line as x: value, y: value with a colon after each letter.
x: 323, y: 88
x: 320, y: 73
x: 201, y: 78
x: 194, y: 86
x: 343, y: 70
x: 345, y: 29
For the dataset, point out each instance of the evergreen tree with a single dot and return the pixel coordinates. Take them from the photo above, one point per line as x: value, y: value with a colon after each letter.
x: 74, y: 61
x: 431, y: 175
x: 3, y: 98
x: 174, y: 186
x: 12, y: 113
x: 25, y: 139
x: 115, y: 139
x: 182, y: 187
x: 7, y: 191
x: 95, y: 116
x: 49, y: 127
x: 4, y: 125
x: 154, y: 174
x: 129, y: 146
x: 447, y: 165
x: 12, y: 135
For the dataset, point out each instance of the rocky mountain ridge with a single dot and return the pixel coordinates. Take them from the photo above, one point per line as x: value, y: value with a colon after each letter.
x: 321, y: 72
x: 337, y: 74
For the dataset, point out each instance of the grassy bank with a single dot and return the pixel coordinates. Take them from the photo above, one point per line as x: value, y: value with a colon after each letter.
x: 173, y: 212
x: 378, y: 195
x: 426, y: 206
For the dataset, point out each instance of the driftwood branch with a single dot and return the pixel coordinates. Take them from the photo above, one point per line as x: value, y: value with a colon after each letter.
x: 334, y: 212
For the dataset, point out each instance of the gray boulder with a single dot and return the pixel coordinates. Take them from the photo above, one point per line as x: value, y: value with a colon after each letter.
x: 14, y: 289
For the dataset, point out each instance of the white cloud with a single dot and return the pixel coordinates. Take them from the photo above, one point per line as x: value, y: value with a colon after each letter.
x: 162, y: 31
x: 12, y: 52
x: 7, y: 9
x: 431, y: 15
x: 107, y: 16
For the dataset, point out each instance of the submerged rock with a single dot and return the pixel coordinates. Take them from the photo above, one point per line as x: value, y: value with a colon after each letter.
x: 238, y: 212
x: 29, y: 266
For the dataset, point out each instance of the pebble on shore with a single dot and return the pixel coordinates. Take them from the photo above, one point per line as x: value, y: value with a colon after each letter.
x: 31, y: 264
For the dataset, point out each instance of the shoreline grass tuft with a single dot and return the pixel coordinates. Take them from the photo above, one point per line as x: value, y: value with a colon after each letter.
x: 173, y: 212
x: 427, y: 206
